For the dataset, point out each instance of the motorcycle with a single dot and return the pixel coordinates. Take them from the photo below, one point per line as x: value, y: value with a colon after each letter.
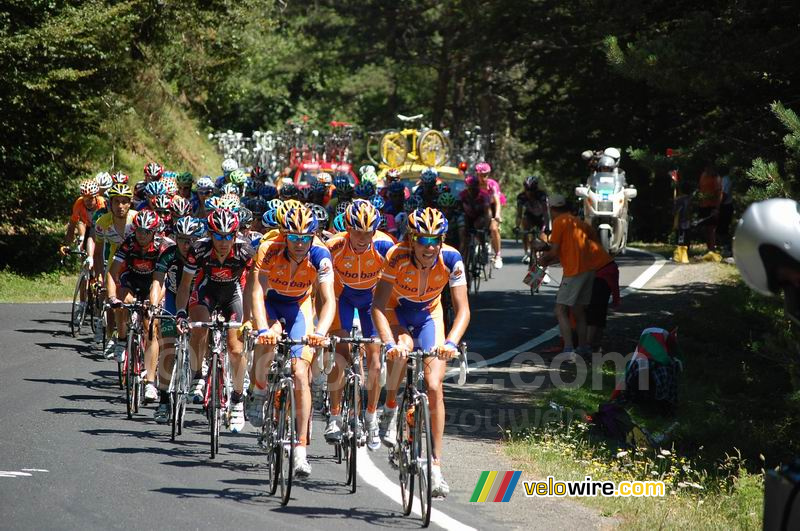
x: 606, y: 197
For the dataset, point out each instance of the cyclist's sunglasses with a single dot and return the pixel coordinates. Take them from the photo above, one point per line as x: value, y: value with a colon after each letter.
x: 222, y: 237
x: 204, y: 192
x: 427, y: 241
x: 300, y: 238
x: 144, y: 232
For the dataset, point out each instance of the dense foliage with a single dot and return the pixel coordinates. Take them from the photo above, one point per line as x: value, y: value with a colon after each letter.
x: 548, y: 79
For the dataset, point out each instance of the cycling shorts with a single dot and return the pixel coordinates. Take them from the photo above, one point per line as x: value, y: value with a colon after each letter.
x: 139, y: 285
x: 299, y: 317
x: 227, y: 299
x: 426, y: 326
x: 348, y: 302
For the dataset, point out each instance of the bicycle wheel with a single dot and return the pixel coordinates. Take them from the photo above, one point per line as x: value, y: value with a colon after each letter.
x: 286, y: 441
x: 404, y: 462
x: 433, y: 148
x: 374, y: 149
x: 213, y: 405
x: 353, y: 434
x: 76, y: 316
x: 423, y: 456
x: 121, y: 376
x: 138, y: 381
x: 130, y: 379
x: 269, y: 442
x: 394, y: 149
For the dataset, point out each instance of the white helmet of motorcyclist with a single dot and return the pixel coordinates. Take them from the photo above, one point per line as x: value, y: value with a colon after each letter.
x: 613, y: 153
x: 606, y: 163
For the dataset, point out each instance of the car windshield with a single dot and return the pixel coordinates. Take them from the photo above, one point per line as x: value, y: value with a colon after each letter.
x: 309, y: 178
x: 606, y: 182
x: 456, y: 185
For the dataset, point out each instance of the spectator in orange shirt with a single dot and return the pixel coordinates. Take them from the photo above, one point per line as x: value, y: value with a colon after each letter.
x: 709, y: 193
x: 569, y: 244
x: 605, y: 286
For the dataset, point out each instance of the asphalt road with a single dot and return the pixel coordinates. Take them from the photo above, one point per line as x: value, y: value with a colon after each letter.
x: 72, y: 460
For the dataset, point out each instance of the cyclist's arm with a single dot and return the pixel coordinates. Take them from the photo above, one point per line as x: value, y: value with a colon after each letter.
x: 257, y: 307
x: 520, y: 211
x: 70, y: 234
x: 379, y: 300
x: 458, y: 294
x: 550, y: 256
x: 184, y: 289
x: 112, y: 277
x: 157, y: 288
x: 326, y: 313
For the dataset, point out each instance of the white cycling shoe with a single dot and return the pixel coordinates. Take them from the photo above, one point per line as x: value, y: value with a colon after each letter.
x: 301, y: 467
x: 389, y: 427
x: 255, y: 408
x: 439, y: 487
x: 198, y: 390
x: 237, y: 417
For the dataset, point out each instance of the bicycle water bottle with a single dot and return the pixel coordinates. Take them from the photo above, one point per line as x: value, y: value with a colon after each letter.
x: 410, y: 422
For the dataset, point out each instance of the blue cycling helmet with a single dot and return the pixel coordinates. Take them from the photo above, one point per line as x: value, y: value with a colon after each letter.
x: 154, y: 188
x: 364, y: 190
x: 251, y: 186
x: 319, y: 189
x: 428, y: 177
x: 268, y: 191
x: 343, y: 186
x: 289, y: 191
x: 397, y: 187
x: 378, y: 202
x: 338, y: 223
x: 269, y: 220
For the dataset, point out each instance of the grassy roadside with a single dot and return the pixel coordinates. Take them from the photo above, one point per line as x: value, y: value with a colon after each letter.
x: 738, y: 413
x: 45, y: 287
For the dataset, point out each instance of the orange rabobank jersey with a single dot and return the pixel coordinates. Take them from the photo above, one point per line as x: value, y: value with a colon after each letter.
x: 273, y: 262
x: 408, y: 292
x: 353, y: 271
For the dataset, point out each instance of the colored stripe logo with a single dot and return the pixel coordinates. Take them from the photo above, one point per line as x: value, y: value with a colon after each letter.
x: 495, y: 486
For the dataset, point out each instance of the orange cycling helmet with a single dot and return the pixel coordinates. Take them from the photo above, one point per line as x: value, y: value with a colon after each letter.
x: 299, y: 220
x: 427, y: 221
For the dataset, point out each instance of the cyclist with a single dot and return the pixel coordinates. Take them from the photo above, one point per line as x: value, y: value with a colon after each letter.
x: 129, y: 278
x: 104, y: 182
x: 476, y: 205
x: 342, y: 193
x: 291, y: 265
x: 357, y: 255
x: 407, y: 313
x: 152, y: 172
x: 482, y: 169
x: 152, y: 190
x: 238, y: 179
x: 426, y: 188
x: 185, y: 181
x: 228, y: 166
x: 109, y: 231
x: 166, y: 279
x: 205, y: 189
x: 221, y: 263
x: 457, y: 226
x: 289, y: 191
x: 364, y: 190
x: 532, y: 212
x: 120, y: 178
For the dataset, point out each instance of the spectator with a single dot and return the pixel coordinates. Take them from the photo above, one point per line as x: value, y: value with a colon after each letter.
x: 683, y: 219
x: 569, y: 244
x: 726, y: 212
x: 710, y: 196
x: 605, y: 286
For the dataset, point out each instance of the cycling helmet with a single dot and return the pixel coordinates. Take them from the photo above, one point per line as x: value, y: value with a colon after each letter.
x: 212, y: 203
x: 365, y: 169
x: 321, y: 213
x: 170, y: 185
x: 393, y: 175
x: 229, y: 188
x: 237, y: 177
x: 229, y: 202
x: 338, y: 223
x: 471, y: 182
x: 324, y: 178
x: 223, y: 222
x: 103, y: 180
x: 171, y: 174
x: 146, y: 219
x: 378, y: 202
x: 370, y: 178
x: 154, y: 188
x: 442, y: 188
x: 138, y: 190
x: 188, y: 226
x: 184, y: 178
x: 412, y: 203
x: 251, y: 186
x: 180, y: 207
x: 89, y: 188
x: 269, y: 220
x: 483, y: 167
x: 299, y: 221
x: 289, y: 191
x: 257, y: 207
x: 531, y: 183
x: 205, y: 184
x: 259, y: 173
x: 364, y: 190
x: 229, y: 165
x: 153, y: 170
x: 446, y: 200
x: 120, y: 190
x: 120, y: 178
x: 318, y: 188
x: 343, y: 186
x: 285, y: 207
x: 245, y: 217
x: 274, y: 204
x: 342, y: 207
x: 161, y: 203
x: 362, y: 216
x: 428, y: 177
x: 768, y: 236
x: 268, y: 191
x: 606, y: 162
x: 305, y: 193
x: 427, y: 221
x: 397, y: 187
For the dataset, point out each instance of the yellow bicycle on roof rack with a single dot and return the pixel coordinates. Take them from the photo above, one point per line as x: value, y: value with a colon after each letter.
x: 395, y: 148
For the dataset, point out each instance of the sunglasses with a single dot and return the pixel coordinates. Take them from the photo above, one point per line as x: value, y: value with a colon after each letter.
x: 222, y: 237
x: 144, y: 232
x: 204, y: 192
x: 427, y: 241
x: 300, y: 238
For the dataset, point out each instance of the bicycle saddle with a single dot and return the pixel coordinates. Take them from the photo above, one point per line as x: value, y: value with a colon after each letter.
x: 409, y: 118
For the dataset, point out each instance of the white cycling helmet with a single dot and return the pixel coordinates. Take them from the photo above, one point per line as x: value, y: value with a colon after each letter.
x: 229, y: 165
x: 103, y: 180
x: 767, y: 245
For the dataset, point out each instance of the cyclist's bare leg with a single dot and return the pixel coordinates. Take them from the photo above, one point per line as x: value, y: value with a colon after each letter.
x: 527, y: 238
x: 121, y: 314
x: 302, y: 398
x: 336, y: 377
x: 165, y: 362
x: 238, y: 360
x: 151, y: 352
x: 562, y: 314
x: 395, y: 369
x: 374, y: 379
x: 462, y: 243
x: 494, y: 231
x: 199, y: 336
x: 434, y: 376
x: 262, y: 358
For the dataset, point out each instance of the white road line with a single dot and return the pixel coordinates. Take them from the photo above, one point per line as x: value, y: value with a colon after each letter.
x: 34, y: 470
x: 9, y: 474
x: 375, y: 477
